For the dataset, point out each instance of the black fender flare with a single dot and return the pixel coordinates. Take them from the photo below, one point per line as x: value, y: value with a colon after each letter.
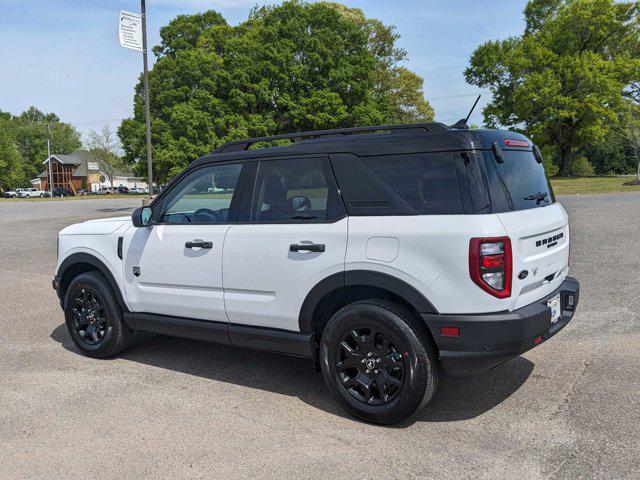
x: 366, y: 278
x: 82, y: 257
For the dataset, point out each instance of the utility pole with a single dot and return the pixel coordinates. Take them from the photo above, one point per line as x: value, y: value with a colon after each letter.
x: 133, y: 35
x: 143, y: 11
x: 49, y: 161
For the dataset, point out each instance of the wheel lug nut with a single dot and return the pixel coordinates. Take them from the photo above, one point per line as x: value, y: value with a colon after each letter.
x: 378, y: 360
x: 368, y: 371
x: 363, y: 361
x: 375, y: 371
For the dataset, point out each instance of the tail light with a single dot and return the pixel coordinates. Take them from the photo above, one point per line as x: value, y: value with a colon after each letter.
x: 490, y: 265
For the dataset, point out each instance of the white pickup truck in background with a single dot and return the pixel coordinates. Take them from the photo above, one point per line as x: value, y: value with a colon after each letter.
x: 30, y: 192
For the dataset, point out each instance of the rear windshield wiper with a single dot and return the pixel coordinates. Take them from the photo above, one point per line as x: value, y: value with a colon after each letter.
x: 538, y: 197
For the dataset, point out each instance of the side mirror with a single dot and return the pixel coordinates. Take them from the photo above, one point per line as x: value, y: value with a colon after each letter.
x: 141, y: 217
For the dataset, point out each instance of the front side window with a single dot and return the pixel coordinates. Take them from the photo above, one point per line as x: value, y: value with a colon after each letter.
x: 203, y: 196
x: 295, y: 190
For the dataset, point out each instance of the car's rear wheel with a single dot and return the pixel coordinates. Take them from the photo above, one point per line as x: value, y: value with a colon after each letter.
x: 94, y: 318
x: 377, y: 363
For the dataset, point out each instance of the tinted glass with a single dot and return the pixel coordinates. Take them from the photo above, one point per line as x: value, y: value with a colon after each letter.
x: 203, y: 196
x: 427, y: 181
x: 524, y: 179
x: 295, y: 190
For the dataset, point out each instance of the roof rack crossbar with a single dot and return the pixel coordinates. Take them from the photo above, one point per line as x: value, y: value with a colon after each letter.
x: 240, y: 145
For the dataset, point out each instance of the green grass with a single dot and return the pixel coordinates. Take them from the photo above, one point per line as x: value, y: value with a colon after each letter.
x: 592, y: 185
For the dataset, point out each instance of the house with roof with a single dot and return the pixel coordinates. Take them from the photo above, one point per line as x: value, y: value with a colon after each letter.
x: 76, y: 171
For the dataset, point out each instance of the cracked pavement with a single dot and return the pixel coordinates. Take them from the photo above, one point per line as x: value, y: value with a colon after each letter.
x: 173, y: 408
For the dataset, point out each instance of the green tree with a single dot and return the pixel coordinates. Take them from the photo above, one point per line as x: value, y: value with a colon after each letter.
x: 564, y: 79
x: 30, y: 134
x: 11, y: 168
x: 291, y: 67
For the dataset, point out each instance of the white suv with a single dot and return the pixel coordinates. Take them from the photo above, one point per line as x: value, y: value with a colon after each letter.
x: 387, y: 257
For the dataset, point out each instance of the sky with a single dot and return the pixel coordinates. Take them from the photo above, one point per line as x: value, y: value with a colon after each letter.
x: 63, y: 56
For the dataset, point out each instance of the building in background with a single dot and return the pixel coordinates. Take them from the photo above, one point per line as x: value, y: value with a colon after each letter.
x: 76, y: 171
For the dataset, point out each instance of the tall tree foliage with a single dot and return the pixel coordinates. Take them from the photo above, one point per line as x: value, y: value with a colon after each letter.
x: 565, y: 78
x: 11, y: 171
x: 28, y: 133
x: 290, y: 67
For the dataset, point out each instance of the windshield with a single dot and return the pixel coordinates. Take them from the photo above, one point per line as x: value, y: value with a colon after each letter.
x: 523, y: 179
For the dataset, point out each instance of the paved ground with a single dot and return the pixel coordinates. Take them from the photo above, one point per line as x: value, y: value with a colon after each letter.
x: 171, y: 408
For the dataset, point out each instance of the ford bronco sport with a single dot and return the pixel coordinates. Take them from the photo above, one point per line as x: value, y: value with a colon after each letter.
x: 387, y: 254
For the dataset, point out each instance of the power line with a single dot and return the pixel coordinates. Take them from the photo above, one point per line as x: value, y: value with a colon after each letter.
x: 452, y: 96
x: 105, y: 120
x: 88, y: 122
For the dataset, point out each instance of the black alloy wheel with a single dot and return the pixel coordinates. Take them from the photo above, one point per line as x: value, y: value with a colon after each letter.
x: 94, y: 317
x: 378, y: 361
x: 370, y: 366
x: 89, y: 313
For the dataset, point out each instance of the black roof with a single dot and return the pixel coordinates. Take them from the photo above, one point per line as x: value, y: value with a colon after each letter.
x: 395, y: 139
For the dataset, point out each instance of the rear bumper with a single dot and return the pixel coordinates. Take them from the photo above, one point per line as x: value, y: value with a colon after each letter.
x: 488, y: 340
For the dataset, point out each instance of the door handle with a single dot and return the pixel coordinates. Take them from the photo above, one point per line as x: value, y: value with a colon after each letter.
x: 308, y: 247
x: 198, y: 243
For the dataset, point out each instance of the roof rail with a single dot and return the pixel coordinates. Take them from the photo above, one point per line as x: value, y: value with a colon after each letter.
x: 239, y: 145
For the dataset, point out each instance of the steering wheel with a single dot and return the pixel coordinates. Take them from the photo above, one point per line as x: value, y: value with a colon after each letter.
x: 208, y: 212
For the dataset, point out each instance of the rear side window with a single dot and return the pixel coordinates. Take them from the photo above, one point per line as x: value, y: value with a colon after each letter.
x: 295, y: 190
x: 426, y: 181
x: 521, y: 178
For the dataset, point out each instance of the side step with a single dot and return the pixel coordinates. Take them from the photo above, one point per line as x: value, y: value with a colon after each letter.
x: 258, y: 338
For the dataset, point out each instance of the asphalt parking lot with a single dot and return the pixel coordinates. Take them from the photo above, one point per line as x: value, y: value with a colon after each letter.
x: 172, y: 408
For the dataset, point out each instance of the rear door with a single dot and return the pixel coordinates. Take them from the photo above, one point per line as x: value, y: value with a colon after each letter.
x: 292, y: 233
x: 535, y: 222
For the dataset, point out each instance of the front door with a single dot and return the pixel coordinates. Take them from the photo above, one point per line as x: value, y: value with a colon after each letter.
x: 291, y: 235
x: 175, y: 266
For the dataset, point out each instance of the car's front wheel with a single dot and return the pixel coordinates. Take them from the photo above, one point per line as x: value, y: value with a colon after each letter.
x: 377, y: 362
x: 94, y: 318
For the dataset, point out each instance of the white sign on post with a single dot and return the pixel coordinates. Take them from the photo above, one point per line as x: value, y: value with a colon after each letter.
x: 130, y: 30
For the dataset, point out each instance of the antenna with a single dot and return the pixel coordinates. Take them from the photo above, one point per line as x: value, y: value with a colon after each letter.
x: 472, y: 109
x: 462, y: 123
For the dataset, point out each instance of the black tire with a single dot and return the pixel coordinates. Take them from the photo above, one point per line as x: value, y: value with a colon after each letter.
x: 94, y: 317
x: 410, y: 357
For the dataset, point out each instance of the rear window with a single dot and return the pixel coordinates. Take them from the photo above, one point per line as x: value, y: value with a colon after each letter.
x: 427, y: 181
x: 520, y: 178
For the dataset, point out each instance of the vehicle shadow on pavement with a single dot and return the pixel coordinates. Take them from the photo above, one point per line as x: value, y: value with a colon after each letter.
x: 457, y: 398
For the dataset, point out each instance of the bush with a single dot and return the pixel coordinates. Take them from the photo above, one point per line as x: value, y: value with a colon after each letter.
x: 582, y: 168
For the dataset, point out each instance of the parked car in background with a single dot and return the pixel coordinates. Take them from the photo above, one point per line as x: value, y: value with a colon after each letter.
x: 123, y: 190
x: 84, y: 192
x: 30, y: 193
x: 105, y: 191
x: 136, y: 191
x: 12, y: 193
x: 59, y: 192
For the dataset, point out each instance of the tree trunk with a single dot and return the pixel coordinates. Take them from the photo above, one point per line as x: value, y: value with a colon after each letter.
x: 566, y: 159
